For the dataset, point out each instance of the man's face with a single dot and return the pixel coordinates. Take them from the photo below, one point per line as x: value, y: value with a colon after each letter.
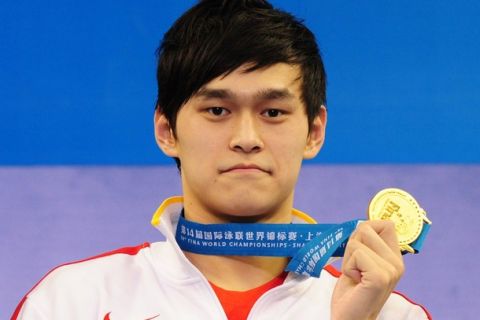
x: 241, y: 140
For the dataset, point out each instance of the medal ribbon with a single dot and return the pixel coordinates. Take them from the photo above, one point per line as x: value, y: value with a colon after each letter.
x: 309, y: 245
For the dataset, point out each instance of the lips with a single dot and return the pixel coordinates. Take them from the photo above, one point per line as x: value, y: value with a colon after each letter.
x: 245, y: 167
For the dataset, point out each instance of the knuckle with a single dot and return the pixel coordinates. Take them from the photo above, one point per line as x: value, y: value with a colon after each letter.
x: 362, y: 230
x: 396, y: 272
x: 354, y: 250
x: 362, y: 227
x: 390, y: 225
x: 392, y: 272
x: 353, y: 244
x: 401, y: 268
x: 383, y: 280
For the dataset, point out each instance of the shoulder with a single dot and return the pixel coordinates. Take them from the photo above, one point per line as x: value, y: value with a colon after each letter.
x: 85, y: 279
x: 87, y: 271
x: 398, y: 306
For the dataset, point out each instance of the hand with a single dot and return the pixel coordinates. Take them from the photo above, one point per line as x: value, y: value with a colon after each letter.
x: 371, y: 267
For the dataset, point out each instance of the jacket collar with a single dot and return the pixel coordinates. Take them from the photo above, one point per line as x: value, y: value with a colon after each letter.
x: 174, y: 205
x: 165, y: 219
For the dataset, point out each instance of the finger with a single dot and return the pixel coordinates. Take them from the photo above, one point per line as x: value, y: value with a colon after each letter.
x: 367, y: 234
x: 363, y: 264
x: 377, y: 277
x: 386, y: 231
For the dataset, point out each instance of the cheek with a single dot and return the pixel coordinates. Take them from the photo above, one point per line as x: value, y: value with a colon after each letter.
x: 200, y: 148
x: 288, y: 150
x: 288, y: 156
x: 289, y: 144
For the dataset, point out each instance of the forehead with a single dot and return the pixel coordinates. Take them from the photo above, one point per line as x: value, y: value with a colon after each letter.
x: 280, y: 80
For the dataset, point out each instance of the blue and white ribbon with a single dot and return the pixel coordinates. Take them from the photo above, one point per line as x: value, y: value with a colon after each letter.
x: 309, y: 245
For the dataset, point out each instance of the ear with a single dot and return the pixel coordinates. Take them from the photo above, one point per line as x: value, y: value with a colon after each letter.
x: 316, y: 137
x: 164, y: 135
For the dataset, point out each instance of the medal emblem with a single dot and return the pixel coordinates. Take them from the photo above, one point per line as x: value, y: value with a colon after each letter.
x: 400, y: 207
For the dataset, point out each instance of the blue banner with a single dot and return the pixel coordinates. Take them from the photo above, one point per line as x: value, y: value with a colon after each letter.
x: 309, y: 245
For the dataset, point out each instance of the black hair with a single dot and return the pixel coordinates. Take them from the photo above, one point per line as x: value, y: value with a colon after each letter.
x: 215, y: 37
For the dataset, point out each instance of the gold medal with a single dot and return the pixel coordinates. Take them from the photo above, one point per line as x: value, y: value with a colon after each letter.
x: 400, y: 207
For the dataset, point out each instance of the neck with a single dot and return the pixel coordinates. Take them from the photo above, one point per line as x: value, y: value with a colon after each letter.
x: 238, y: 273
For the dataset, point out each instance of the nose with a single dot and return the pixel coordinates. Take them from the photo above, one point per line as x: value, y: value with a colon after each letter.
x: 246, y: 136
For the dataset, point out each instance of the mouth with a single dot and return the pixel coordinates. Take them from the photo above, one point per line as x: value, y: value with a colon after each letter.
x: 245, y: 168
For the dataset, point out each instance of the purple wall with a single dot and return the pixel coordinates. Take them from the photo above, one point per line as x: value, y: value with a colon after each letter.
x: 51, y: 215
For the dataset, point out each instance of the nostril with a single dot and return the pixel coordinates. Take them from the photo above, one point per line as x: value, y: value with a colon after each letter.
x: 247, y: 148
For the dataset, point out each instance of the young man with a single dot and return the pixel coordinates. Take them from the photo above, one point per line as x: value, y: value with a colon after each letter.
x: 241, y: 103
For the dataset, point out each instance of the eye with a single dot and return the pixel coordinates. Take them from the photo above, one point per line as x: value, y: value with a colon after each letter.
x: 272, y: 113
x: 218, y: 111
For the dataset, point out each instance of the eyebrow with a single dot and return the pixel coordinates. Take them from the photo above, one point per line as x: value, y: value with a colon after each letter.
x: 265, y: 94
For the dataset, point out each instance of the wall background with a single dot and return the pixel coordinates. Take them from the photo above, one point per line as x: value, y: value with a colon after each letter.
x: 77, y: 80
x: 51, y: 215
x: 78, y: 162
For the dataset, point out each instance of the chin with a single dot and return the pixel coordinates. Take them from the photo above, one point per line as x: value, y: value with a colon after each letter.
x: 244, y: 218
x: 251, y: 209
